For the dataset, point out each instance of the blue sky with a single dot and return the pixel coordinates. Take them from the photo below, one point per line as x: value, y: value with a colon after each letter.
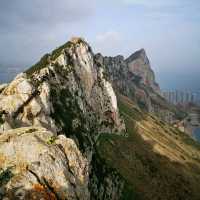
x: 169, y: 30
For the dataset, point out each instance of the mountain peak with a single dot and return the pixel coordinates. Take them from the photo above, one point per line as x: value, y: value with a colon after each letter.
x: 141, y: 53
x: 139, y: 64
x: 71, y: 73
x: 76, y: 40
x: 53, y: 57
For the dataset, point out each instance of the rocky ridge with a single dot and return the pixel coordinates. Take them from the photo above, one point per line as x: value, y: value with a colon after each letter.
x: 55, y: 115
x: 67, y: 94
x: 139, y: 64
x: 134, y: 78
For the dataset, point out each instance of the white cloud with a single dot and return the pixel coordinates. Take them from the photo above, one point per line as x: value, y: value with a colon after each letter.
x: 109, y: 43
x: 39, y: 26
x: 152, y: 3
x: 108, y: 36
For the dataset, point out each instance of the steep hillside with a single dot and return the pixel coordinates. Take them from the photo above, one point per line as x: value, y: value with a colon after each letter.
x: 157, y: 161
x: 62, y: 134
x: 67, y: 94
x: 133, y: 77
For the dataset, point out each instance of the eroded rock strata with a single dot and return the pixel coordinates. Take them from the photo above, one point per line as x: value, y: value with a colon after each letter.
x: 67, y: 95
x: 134, y: 78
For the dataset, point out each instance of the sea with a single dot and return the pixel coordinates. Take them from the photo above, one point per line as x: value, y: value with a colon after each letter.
x: 196, y: 134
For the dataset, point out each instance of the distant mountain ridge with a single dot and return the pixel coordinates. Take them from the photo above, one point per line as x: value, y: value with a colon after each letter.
x: 133, y: 77
x: 139, y: 64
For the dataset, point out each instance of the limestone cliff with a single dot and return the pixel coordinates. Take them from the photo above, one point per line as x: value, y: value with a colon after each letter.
x: 67, y: 93
x: 138, y: 63
x: 59, y: 120
x: 37, y: 165
x: 134, y: 78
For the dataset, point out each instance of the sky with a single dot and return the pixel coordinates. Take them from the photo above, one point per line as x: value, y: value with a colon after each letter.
x: 169, y: 31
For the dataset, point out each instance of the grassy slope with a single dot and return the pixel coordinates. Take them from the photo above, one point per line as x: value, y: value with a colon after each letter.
x: 156, y: 160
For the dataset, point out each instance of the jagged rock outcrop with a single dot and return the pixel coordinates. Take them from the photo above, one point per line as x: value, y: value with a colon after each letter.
x: 134, y: 78
x: 2, y: 87
x: 37, y: 165
x: 67, y: 93
x: 54, y: 115
x: 138, y: 63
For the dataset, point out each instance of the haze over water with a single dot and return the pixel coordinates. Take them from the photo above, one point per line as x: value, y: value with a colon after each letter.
x: 168, y: 31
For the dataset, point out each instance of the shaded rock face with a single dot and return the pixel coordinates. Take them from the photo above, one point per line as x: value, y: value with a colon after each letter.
x: 138, y: 64
x: 23, y: 104
x: 2, y: 87
x: 67, y: 93
x: 133, y: 77
x: 36, y: 165
x: 108, y: 184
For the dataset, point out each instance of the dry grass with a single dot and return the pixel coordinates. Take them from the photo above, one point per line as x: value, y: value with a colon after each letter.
x: 156, y: 160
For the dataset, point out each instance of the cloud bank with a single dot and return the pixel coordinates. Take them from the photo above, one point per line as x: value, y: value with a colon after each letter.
x: 168, y: 30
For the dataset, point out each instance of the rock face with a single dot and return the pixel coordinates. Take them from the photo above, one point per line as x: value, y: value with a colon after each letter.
x: 53, y: 116
x: 2, y: 87
x: 67, y: 93
x: 37, y: 165
x: 133, y: 77
x: 60, y: 93
x: 138, y: 64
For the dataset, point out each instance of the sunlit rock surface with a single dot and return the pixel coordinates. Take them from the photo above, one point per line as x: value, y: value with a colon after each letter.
x: 36, y: 165
x: 68, y: 97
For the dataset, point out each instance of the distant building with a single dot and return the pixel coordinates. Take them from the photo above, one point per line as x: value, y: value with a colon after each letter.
x: 182, y: 97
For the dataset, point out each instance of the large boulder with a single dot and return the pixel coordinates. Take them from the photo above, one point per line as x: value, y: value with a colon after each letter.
x: 35, y: 164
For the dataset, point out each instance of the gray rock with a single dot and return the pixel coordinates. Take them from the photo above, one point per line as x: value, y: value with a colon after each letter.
x: 139, y: 64
x: 38, y: 165
x: 2, y: 87
x: 133, y: 77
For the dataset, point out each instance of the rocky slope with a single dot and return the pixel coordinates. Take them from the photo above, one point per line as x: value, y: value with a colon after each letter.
x: 35, y: 164
x: 67, y: 93
x: 62, y: 135
x: 134, y: 78
x: 157, y: 160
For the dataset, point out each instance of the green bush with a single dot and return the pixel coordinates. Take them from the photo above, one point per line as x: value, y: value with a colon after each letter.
x: 5, y: 176
x: 51, y: 140
x: 1, y: 119
x: 58, y: 51
x: 128, y: 193
x: 44, y: 61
